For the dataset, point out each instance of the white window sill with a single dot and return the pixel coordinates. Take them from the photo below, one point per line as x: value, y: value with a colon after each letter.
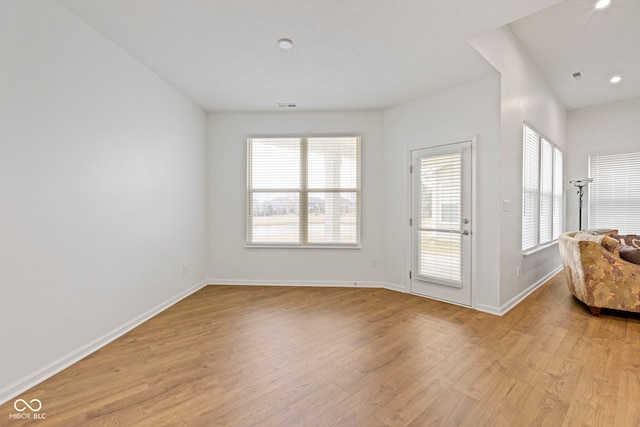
x: 290, y: 246
x: 539, y: 248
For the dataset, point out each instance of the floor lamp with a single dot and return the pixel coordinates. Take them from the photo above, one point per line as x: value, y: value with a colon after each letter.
x: 580, y: 184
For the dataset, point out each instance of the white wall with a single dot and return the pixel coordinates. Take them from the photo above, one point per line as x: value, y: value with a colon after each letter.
x: 526, y: 96
x: 230, y: 261
x: 607, y: 128
x: 454, y: 115
x: 102, y: 190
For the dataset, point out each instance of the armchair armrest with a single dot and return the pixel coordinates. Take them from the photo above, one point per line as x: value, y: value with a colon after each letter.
x: 609, y: 281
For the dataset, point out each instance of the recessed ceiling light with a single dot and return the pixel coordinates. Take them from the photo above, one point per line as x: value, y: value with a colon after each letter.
x: 601, y: 4
x: 285, y: 43
x: 615, y: 79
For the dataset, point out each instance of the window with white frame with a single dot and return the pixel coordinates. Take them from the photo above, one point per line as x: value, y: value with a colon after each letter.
x: 542, y: 201
x: 614, y: 194
x: 303, y: 191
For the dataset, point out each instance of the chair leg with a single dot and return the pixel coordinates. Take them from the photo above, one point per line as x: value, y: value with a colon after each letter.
x: 595, y: 311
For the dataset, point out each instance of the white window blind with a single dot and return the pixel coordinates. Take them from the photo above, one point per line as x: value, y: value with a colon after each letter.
x: 546, y: 191
x: 530, y: 181
x: 614, y: 194
x: 558, y: 192
x: 542, y: 190
x: 303, y: 191
x: 439, y: 203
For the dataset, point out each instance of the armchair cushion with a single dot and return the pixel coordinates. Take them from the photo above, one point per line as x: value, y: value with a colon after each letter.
x: 628, y: 239
x: 630, y: 253
x: 609, y: 243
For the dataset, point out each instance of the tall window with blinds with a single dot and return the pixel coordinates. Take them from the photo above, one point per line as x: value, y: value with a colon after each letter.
x: 614, y: 194
x: 303, y: 191
x: 542, y: 190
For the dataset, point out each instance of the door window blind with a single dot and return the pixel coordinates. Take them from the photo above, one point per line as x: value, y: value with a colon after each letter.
x: 614, y: 194
x: 439, y: 204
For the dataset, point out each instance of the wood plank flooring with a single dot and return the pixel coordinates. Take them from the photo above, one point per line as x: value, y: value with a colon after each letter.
x: 269, y: 356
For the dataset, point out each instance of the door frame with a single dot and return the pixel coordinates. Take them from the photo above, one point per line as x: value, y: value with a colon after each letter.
x: 474, y: 217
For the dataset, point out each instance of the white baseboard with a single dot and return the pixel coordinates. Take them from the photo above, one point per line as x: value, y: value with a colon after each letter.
x: 489, y: 309
x: 395, y: 287
x: 303, y: 283
x: 506, y: 307
x: 12, y: 390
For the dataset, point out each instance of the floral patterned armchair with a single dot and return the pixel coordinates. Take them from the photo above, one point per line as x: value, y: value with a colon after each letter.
x: 597, y: 275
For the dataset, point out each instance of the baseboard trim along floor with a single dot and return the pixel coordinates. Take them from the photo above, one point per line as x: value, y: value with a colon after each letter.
x: 29, y: 381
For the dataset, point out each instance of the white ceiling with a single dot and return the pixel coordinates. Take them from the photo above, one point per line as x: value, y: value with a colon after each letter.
x: 575, y: 37
x: 356, y: 54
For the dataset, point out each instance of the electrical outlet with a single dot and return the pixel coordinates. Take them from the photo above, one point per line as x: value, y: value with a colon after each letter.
x: 517, y: 271
x: 185, y: 269
x: 374, y: 263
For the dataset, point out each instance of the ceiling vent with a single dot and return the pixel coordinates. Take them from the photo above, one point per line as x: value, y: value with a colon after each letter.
x: 577, y: 75
x: 286, y: 105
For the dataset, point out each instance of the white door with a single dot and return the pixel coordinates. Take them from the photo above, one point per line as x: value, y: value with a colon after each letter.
x: 441, y: 223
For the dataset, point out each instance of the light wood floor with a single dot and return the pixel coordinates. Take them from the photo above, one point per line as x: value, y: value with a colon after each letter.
x: 236, y: 356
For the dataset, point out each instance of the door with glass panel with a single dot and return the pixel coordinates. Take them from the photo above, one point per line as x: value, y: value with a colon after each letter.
x: 441, y: 223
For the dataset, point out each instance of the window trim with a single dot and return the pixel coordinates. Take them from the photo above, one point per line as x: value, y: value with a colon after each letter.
x: 304, y: 192
x: 538, y: 246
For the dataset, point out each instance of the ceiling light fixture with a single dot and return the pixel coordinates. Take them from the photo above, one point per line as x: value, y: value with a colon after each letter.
x: 616, y: 79
x: 601, y: 4
x: 285, y: 43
